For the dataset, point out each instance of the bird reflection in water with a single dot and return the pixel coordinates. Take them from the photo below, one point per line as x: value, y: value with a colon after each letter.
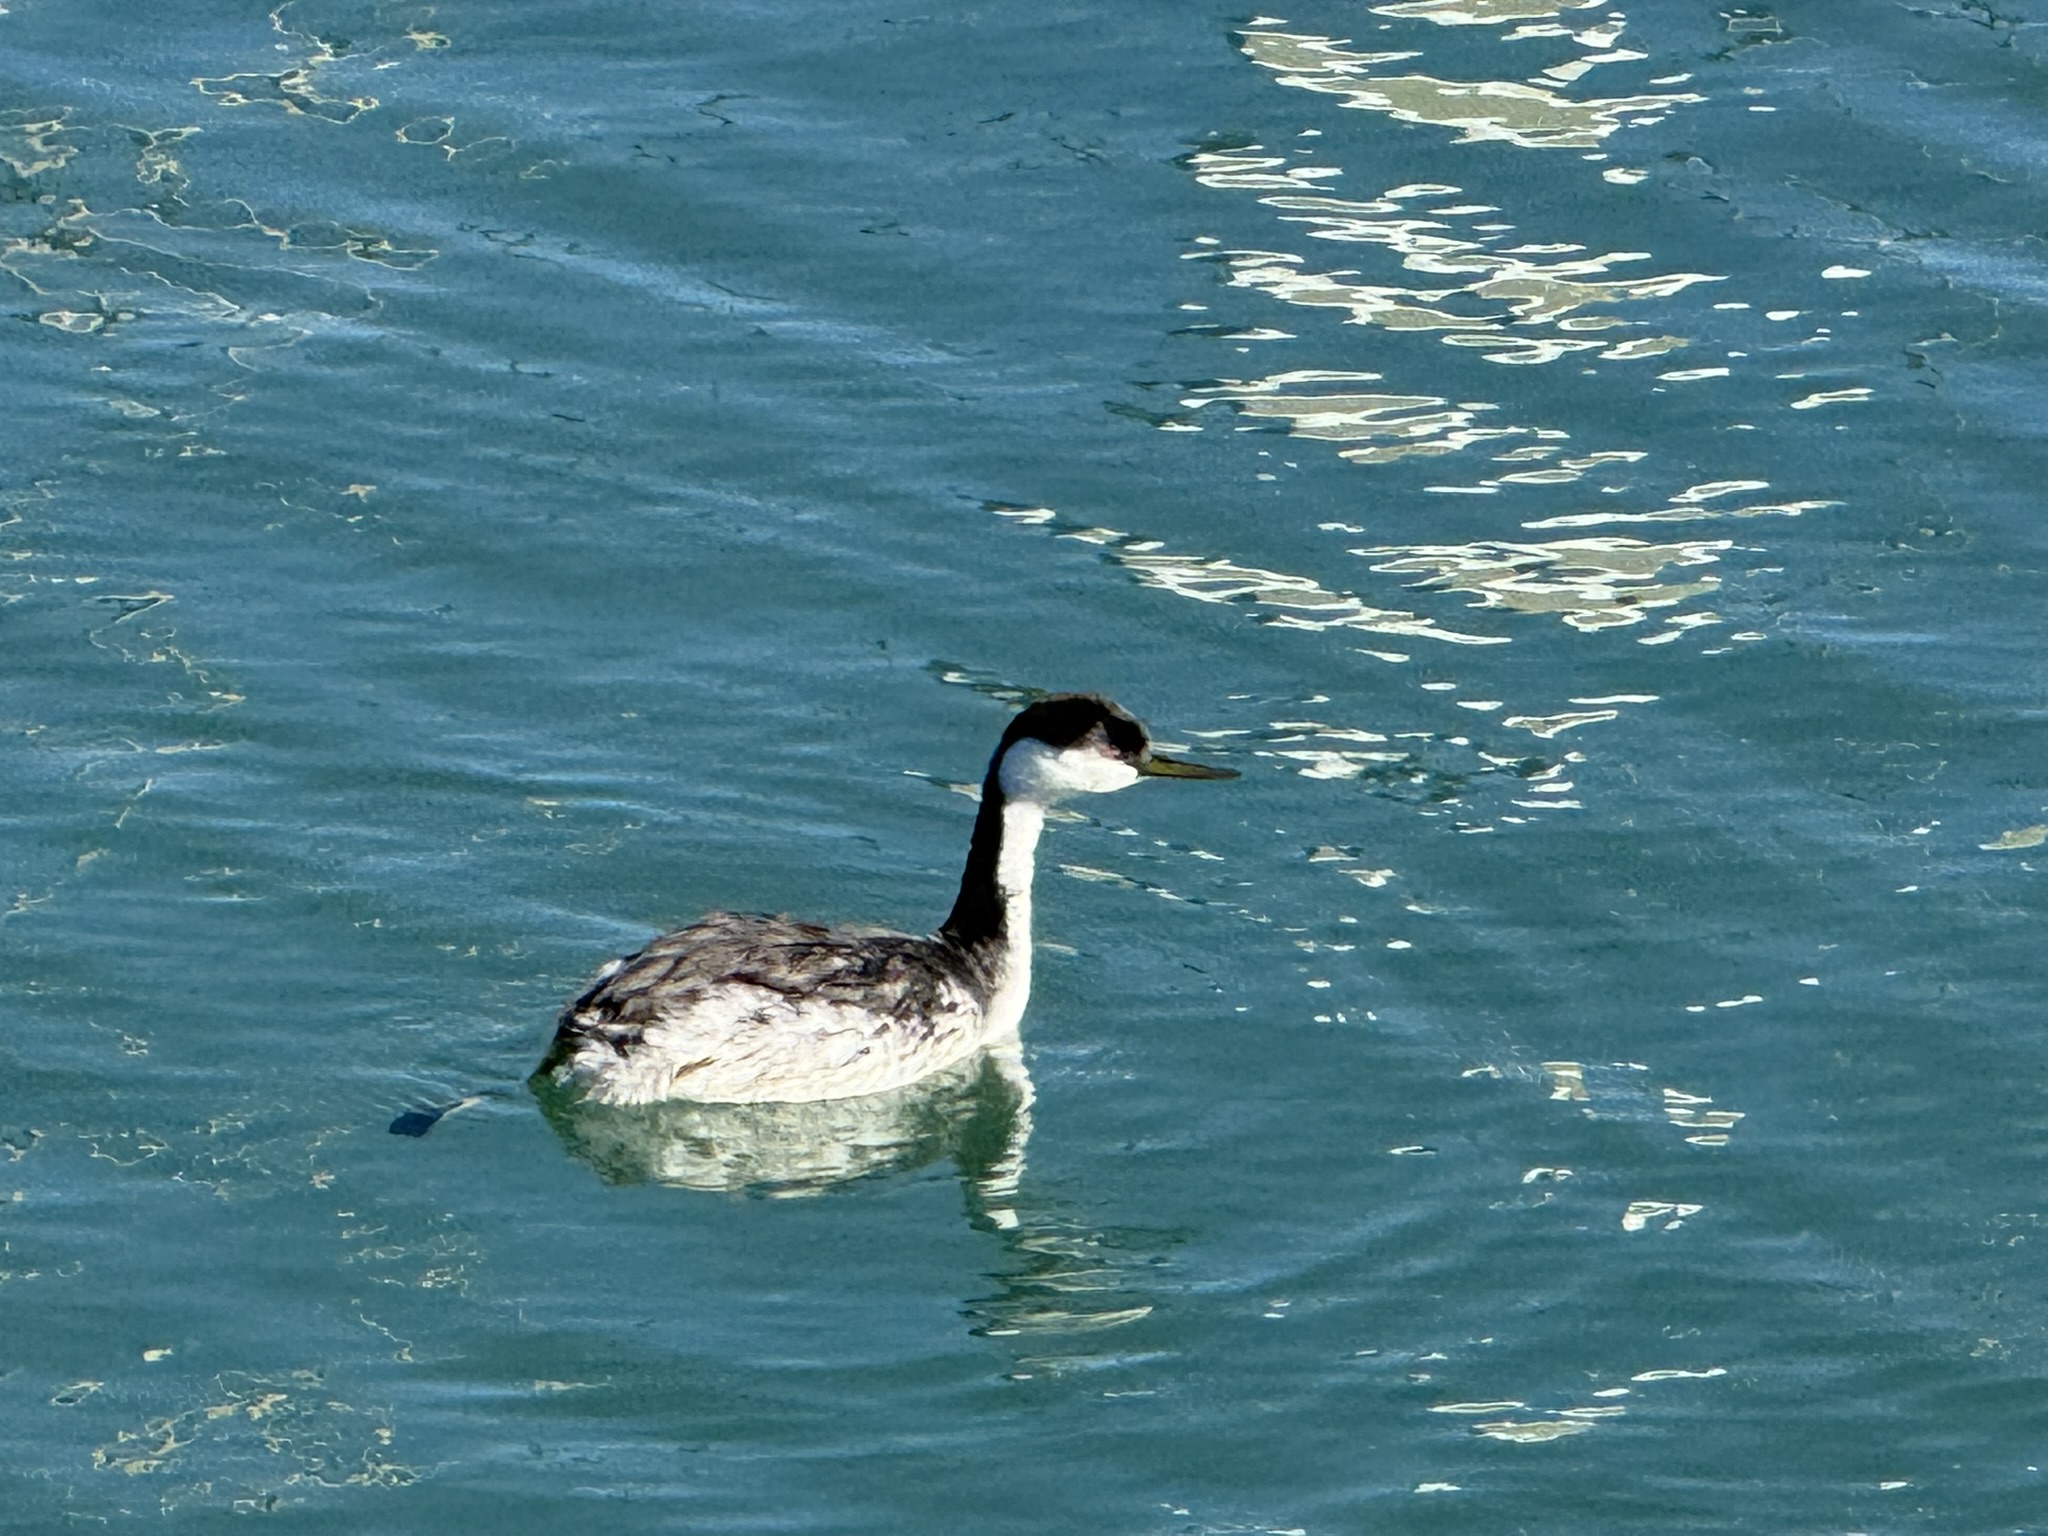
x: 1060, y: 1276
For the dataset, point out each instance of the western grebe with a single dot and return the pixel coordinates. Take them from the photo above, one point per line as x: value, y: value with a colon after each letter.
x: 740, y: 1008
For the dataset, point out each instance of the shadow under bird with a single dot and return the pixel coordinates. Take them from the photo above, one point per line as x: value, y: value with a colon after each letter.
x: 748, y: 1009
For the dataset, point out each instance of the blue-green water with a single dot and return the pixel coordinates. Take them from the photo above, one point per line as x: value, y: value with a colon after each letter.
x: 485, y: 482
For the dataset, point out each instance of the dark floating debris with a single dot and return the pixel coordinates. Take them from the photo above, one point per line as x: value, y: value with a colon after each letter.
x: 417, y: 1122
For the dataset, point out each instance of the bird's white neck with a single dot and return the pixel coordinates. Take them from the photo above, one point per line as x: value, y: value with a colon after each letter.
x: 992, y: 916
x: 1016, y: 862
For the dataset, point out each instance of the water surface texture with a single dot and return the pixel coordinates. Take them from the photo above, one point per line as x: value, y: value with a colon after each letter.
x: 485, y: 482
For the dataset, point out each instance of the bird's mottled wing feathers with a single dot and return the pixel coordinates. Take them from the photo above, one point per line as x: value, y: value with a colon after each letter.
x: 725, y: 949
x: 736, y: 1003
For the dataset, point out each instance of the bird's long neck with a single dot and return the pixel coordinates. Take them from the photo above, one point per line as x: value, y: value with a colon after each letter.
x: 992, y: 915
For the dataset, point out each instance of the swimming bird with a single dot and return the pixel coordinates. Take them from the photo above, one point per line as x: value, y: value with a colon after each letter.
x: 746, y: 1008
